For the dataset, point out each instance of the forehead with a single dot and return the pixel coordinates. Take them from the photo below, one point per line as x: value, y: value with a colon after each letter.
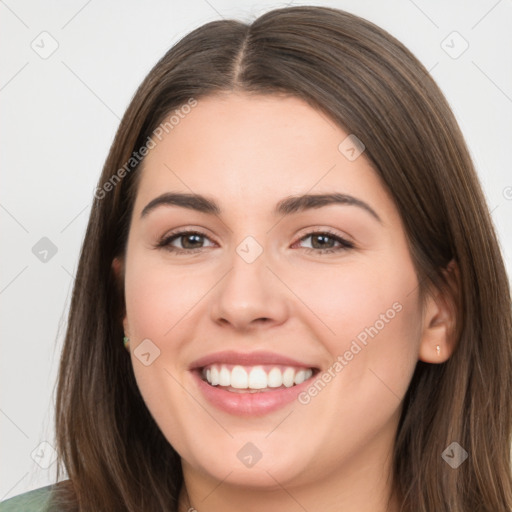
x: 255, y: 149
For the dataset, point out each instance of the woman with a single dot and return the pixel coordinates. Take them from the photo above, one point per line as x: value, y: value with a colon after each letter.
x: 290, y: 241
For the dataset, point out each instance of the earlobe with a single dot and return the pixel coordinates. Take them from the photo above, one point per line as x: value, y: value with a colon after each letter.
x: 118, y: 270
x: 439, y: 335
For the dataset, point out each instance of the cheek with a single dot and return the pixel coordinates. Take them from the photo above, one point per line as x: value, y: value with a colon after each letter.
x: 158, y: 296
x: 147, y: 303
x: 375, y: 316
x: 160, y: 301
x: 156, y: 300
x: 370, y: 318
x: 353, y: 296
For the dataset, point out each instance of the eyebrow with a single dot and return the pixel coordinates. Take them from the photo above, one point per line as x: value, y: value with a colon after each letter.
x: 287, y: 206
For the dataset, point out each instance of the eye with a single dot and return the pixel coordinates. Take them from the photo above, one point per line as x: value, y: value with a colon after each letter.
x: 324, y: 242
x: 191, y: 241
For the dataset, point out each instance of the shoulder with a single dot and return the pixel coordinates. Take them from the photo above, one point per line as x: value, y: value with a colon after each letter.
x: 36, y: 500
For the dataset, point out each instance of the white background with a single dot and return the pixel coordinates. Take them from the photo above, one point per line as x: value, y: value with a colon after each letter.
x: 58, y: 119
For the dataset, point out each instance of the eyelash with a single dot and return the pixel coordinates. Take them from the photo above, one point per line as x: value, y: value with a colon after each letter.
x: 165, y: 242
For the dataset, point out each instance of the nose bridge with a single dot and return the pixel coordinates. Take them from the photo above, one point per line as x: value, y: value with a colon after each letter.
x: 249, y: 292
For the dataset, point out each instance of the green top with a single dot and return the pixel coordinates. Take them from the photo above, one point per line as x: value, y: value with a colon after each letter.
x: 31, y: 501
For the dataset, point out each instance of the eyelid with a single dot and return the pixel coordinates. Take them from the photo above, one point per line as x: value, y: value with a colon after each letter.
x: 313, y: 230
x: 177, y: 233
x: 345, y: 242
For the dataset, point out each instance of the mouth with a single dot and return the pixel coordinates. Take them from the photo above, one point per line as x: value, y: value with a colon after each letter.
x: 254, y: 379
x: 251, y: 384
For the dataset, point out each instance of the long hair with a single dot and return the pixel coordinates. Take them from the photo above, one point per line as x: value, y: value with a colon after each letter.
x: 370, y: 85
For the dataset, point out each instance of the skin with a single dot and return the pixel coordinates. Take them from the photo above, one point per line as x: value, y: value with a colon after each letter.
x: 249, y: 152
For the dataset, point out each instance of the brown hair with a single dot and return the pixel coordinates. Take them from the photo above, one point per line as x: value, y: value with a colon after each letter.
x: 372, y: 86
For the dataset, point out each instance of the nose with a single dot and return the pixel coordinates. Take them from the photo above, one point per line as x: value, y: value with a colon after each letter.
x: 249, y: 295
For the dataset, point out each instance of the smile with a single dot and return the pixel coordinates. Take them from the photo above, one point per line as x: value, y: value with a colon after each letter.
x: 251, y: 384
x: 260, y: 378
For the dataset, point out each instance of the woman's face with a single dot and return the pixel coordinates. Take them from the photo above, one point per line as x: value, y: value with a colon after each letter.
x: 269, y: 289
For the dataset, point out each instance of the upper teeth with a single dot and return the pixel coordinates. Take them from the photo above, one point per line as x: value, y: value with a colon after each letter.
x: 255, y: 377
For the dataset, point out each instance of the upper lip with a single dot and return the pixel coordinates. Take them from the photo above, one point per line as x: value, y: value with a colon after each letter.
x: 247, y: 359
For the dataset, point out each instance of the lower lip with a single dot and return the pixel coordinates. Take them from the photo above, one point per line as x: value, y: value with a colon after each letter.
x: 249, y: 404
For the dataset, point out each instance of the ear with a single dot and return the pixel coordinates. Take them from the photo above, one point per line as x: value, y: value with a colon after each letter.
x: 440, y: 333
x: 118, y: 270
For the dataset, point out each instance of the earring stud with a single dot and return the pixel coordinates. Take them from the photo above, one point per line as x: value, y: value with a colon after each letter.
x: 438, y: 349
x: 126, y: 341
